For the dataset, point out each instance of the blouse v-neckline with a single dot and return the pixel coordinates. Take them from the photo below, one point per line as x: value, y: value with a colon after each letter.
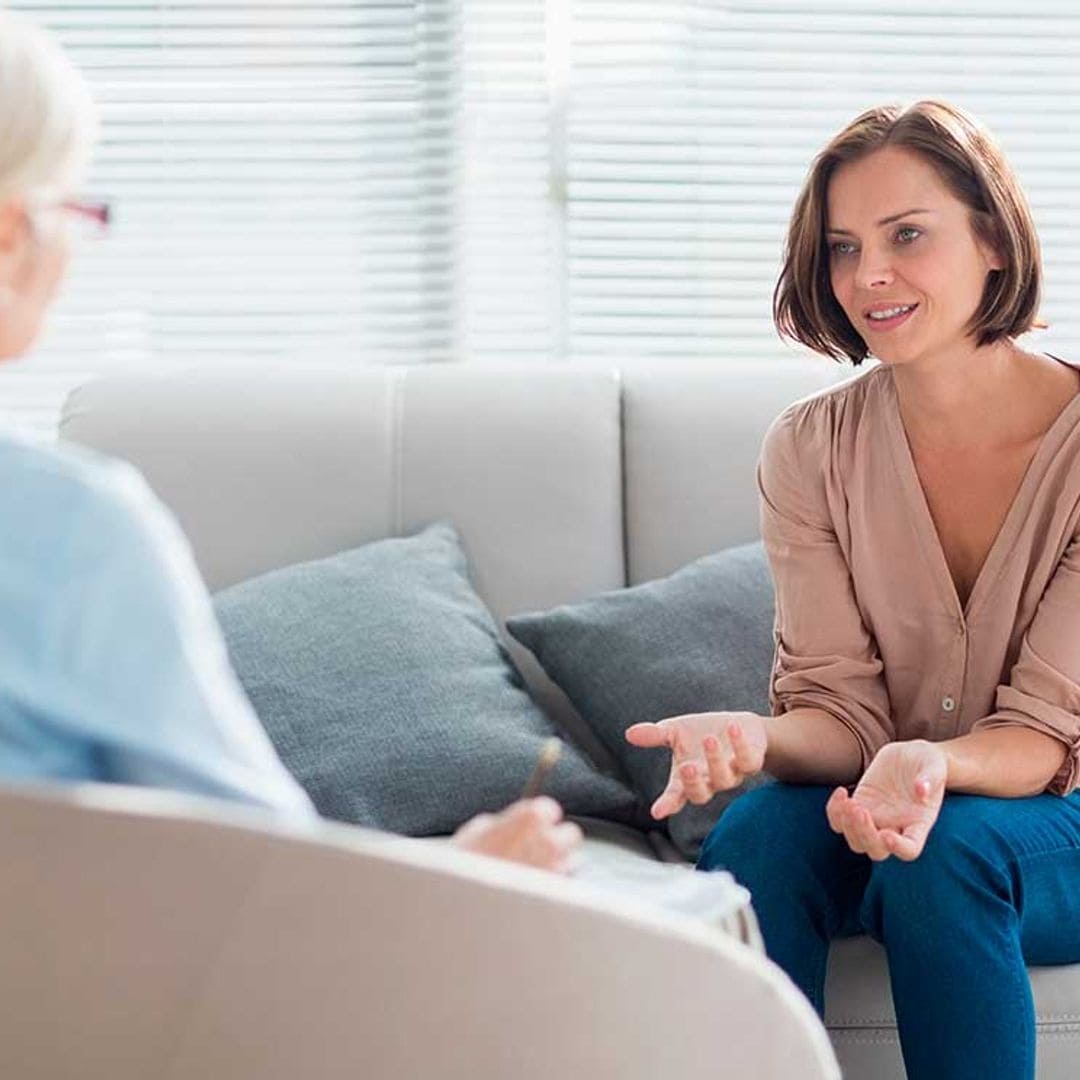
x: 923, y: 521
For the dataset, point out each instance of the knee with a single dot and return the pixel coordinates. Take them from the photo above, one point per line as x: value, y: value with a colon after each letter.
x: 956, y: 863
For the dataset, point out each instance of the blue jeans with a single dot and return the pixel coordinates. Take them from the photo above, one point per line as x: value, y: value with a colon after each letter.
x: 996, y: 887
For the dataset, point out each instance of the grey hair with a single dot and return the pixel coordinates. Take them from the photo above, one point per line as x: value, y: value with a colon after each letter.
x: 48, y: 121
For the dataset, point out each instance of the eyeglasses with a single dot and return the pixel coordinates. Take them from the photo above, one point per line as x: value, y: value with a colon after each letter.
x: 91, y: 218
x: 97, y: 212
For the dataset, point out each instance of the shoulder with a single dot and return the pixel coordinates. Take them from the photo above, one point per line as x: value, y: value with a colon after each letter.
x: 814, y: 427
x: 69, y: 501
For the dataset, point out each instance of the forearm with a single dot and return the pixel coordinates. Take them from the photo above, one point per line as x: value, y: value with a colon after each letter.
x: 810, y: 746
x: 1006, y: 762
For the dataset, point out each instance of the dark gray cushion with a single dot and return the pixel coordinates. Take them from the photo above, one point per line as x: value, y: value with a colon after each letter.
x: 697, y: 641
x: 380, y: 678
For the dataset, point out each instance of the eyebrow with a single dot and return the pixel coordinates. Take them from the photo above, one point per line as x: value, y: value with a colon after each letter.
x: 884, y: 221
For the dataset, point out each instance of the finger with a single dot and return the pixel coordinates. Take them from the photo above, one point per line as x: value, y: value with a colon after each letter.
x: 648, y: 734
x: 745, y: 757
x: 721, y: 776
x: 834, y: 809
x: 671, y: 800
x: 567, y: 835
x: 543, y: 809
x: 850, y: 829
x: 848, y: 818
x: 903, y: 847
x: 474, y: 828
x: 694, y: 783
x: 869, y: 834
x: 680, y: 749
x: 915, y: 834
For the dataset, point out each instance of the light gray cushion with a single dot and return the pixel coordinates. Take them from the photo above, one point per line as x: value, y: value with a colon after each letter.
x: 380, y: 678
x: 697, y: 641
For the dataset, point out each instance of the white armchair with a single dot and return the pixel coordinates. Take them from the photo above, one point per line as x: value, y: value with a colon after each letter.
x: 153, y: 935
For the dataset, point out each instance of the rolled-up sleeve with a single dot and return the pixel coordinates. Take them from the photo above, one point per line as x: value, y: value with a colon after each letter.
x: 1043, y: 692
x: 825, y: 657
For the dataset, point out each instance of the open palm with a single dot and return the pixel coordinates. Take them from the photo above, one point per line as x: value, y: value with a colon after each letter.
x: 895, y: 805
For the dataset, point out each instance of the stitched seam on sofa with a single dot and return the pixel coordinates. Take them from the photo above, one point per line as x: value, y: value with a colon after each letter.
x: 865, y: 1039
x: 860, y: 1022
x: 1047, y: 1019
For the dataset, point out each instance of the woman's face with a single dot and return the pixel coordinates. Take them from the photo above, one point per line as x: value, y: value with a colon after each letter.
x: 33, y: 257
x: 904, y: 262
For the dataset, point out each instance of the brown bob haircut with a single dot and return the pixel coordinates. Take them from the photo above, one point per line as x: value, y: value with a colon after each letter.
x: 970, y: 163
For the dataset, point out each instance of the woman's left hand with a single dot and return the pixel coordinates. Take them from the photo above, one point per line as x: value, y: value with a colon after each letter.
x: 895, y: 804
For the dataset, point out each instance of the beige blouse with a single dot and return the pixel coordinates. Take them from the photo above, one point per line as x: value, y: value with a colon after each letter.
x: 869, y: 626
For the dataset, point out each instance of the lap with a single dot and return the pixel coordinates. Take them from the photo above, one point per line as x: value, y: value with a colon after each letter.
x: 1027, y: 851
x: 777, y: 841
x: 780, y: 830
x: 1009, y: 828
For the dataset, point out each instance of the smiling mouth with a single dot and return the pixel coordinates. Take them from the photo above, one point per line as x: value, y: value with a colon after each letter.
x: 892, y: 316
x: 888, y: 319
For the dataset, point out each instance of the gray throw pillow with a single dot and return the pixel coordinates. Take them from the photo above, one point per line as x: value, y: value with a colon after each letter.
x: 697, y: 641
x: 380, y: 678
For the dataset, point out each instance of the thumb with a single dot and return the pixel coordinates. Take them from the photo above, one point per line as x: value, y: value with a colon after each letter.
x: 648, y: 735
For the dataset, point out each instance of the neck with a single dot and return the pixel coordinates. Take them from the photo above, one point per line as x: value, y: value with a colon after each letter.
x: 960, y: 397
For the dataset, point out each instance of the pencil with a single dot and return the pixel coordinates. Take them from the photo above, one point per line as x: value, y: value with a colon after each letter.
x: 545, y: 762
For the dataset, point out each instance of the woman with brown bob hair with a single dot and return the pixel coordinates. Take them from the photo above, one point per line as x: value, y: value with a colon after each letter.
x: 922, y: 523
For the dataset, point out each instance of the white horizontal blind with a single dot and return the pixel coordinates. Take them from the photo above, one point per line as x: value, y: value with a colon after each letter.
x: 509, y: 214
x: 405, y: 181
x: 691, y: 126
x: 283, y: 178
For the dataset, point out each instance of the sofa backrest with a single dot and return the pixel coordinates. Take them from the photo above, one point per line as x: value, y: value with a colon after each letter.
x: 563, y: 481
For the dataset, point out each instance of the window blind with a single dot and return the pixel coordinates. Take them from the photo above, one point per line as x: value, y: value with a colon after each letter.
x: 401, y: 181
x: 509, y: 208
x: 690, y: 127
x: 283, y: 182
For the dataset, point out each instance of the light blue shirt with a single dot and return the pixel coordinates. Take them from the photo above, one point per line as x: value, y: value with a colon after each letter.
x: 112, y: 665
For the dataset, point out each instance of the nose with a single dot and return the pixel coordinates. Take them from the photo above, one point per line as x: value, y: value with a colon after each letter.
x: 874, y: 269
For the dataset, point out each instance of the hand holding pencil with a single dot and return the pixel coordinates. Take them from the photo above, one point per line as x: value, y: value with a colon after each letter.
x: 529, y: 831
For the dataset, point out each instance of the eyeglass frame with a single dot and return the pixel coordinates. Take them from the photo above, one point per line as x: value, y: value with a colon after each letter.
x: 97, y: 211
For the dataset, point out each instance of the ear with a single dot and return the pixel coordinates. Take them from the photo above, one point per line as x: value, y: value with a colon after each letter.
x: 12, y: 222
x: 12, y: 240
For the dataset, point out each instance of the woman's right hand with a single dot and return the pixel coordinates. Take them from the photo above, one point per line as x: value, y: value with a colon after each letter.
x: 710, y: 752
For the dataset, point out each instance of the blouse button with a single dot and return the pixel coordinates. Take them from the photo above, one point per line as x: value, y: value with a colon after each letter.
x: 948, y: 704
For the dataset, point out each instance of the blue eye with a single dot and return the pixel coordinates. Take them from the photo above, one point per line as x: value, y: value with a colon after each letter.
x: 841, y: 247
x: 907, y: 234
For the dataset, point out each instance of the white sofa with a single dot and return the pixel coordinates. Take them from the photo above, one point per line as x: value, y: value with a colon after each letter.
x: 564, y: 482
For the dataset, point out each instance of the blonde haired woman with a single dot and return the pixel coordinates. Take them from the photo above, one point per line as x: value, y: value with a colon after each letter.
x: 923, y: 527
x: 111, y: 665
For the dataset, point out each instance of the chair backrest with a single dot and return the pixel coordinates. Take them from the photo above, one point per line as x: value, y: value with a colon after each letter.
x: 147, y: 934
